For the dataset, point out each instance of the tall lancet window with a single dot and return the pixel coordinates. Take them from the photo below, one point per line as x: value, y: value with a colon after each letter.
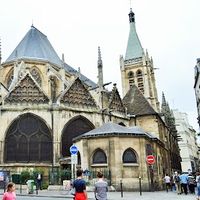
x: 131, y: 78
x: 140, y: 80
x: 36, y: 75
x: 10, y: 78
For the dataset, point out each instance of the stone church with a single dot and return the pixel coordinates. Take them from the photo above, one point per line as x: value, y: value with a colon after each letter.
x: 47, y: 105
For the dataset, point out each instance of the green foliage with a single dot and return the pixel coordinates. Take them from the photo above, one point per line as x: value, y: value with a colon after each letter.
x: 65, y: 174
x: 45, y: 185
x: 25, y: 175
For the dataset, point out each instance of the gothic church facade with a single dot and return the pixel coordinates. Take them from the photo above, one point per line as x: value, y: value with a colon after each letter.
x: 46, y: 106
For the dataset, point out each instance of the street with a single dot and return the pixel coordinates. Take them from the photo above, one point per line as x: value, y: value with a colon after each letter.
x: 116, y: 196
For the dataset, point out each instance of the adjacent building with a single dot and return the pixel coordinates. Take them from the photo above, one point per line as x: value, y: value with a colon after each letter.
x: 187, y: 142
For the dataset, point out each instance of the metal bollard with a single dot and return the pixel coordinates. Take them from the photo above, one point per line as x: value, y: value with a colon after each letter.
x: 20, y: 187
x: 140, y: 185
x: 121, y: 188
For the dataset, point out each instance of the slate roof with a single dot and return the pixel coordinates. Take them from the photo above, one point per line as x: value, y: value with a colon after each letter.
x: 136, y: 103
x: 36, y: 46
x: 83, y: 78
x: 112, y: 129
x: 134, y: 48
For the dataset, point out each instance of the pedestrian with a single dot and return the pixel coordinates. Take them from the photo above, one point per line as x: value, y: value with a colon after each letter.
x: 39, y: 181
x: 177, y: 182
x: 184, y: 182
x: 101, y: 187
x: 167, y: 181
x: 191, y: 183
x: 198, y: 185
x: 80, y: 186
x: 10, y: 192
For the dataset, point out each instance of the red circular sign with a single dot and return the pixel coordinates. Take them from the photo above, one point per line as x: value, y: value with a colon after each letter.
x: 150, y: 159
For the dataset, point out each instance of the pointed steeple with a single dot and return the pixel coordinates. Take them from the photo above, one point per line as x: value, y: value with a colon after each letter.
x: 163, y: 99
x: 100, y: 69
x: 134, y: 48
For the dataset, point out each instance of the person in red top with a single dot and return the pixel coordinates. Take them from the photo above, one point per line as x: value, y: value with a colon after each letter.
x: 10, y: 192
x: 80, y: 186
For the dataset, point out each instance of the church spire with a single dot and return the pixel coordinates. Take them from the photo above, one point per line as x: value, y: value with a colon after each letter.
x: 100, y: 69
x: 134, y: 48
x: 131, y: 16
x: 163, y: 99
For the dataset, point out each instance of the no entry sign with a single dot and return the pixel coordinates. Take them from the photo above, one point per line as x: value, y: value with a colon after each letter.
x: 150, y: 159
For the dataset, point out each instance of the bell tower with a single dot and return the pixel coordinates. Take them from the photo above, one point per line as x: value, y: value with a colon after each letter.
x: 137, y: 67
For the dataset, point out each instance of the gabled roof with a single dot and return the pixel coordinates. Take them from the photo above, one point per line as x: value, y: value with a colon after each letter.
x: 35, y: 45
x: 112, y: 129
x: 134, y: 48
x: 27, y: 90
x: 136, y: 103
x: 115, y: 102
x: 77, y: 94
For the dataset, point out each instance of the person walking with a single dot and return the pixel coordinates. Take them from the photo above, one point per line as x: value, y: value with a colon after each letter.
x: 80, y: 186
x: 39, y: 181
x: 191, y: 183
x: 198, y: 185
x: 100, y: 188
x: 184, y: 182
x: 177, y: 182
x: 10, y: 192
x: 167, y: 181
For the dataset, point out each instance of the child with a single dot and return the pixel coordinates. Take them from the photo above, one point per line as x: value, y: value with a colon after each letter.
x: 10, y: 192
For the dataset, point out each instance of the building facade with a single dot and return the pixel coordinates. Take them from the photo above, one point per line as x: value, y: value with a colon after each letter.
x: 187, y: 143
x: 46, y: 106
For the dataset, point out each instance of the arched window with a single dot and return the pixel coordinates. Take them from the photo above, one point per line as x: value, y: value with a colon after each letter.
x: 140, y: 83
x: 129, y: 156
x: 130, y: 74
x: 36, y: 75
x: 10, y: 78
x: 139, y: 73
x: 28, y: 140
x: 75, y: 127
x: 99, y: 157
x: 131, y: 78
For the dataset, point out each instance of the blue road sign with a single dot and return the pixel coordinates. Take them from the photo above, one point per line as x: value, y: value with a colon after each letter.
x: 73, y: 149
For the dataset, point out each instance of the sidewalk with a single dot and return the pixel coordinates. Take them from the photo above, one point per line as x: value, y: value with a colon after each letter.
x: 161, y: 195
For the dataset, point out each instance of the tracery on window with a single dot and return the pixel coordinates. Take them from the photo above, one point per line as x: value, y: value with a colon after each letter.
x: 36, y: 75
x: 99, y: 157
x: 28, y: 140
x: 129, y: 156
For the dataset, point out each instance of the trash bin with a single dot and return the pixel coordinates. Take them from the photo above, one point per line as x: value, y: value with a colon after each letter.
x: 30, y: 186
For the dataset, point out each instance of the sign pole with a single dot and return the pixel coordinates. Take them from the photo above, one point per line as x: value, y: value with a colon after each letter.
x: 73, y: 150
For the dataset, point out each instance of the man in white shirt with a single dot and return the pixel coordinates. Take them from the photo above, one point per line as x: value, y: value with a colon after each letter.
x: 167, y: 180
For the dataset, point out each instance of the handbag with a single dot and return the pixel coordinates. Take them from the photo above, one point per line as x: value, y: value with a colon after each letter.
x: 72, y: 191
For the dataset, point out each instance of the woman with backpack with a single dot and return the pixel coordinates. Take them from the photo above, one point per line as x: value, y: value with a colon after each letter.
x: 177, y: 182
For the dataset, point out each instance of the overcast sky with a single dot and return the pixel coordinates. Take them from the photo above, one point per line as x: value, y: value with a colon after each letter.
x: 169, y: 29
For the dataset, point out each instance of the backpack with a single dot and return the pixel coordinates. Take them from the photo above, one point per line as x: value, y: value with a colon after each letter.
x: 177, y: 179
